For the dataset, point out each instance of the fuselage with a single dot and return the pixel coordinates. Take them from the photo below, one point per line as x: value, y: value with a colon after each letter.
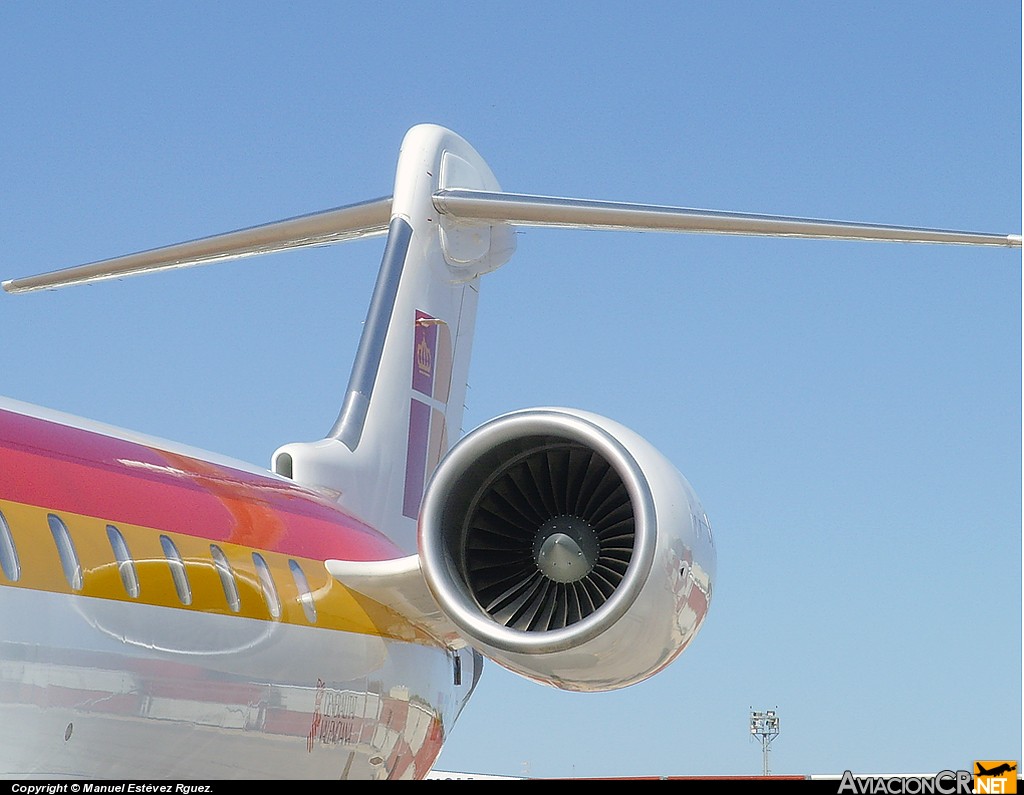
x: 167, y: 613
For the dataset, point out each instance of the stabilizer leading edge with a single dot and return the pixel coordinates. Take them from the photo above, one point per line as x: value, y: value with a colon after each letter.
x: 526, y: 210
x: 354, y: 221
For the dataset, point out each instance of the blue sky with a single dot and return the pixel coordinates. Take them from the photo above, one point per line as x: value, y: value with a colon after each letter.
x: 850, y: 413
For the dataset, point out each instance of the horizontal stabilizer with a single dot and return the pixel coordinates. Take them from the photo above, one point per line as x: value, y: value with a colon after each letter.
x: 484, y: 208
x: 398, y: 584
x: 316, y: 229
x: 525, y: 210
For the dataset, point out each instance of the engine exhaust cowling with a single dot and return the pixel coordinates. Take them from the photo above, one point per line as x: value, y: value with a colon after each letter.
x: 567, y: 549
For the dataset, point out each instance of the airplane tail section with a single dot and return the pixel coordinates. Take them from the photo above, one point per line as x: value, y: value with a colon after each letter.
x: 557, y: 542
x: 447, y: 223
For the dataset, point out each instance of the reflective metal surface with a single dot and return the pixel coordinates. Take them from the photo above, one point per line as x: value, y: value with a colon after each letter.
x: 316, y: 229
x: 527, y: 210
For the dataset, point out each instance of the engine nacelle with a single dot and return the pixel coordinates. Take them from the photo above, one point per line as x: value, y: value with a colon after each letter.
x: 567, y: 549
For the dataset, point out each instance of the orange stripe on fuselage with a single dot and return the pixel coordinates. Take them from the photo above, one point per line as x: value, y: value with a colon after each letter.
x: 256, y: 524
x: 91, y: 479
x: 337, y: 608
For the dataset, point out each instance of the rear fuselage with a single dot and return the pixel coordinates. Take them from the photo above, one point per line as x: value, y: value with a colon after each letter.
x: 167, y: 613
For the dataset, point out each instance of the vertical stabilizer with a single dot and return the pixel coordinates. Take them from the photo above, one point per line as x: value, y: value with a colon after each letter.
x: 404, y: 402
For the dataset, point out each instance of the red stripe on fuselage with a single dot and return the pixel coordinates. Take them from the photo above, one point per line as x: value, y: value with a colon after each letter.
x: 68, y: 469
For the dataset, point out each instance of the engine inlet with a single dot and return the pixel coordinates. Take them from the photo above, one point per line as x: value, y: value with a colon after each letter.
x: 549, y: 537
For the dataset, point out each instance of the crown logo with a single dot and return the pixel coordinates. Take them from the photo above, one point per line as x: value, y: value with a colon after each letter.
x: 424, y: 358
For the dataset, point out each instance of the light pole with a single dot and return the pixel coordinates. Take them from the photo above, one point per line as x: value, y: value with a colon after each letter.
x: 765, y: 727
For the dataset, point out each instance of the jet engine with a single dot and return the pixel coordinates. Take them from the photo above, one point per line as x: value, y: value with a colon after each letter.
x: 564, y: 547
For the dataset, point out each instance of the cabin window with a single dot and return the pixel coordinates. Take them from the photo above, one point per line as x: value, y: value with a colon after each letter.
x: 66, y: 550
x: 125, y: 564
x: 177, y: 566
x: 267, y: 583
x: 305, y: 596
x: 227, y: 577
x: 8, y: 554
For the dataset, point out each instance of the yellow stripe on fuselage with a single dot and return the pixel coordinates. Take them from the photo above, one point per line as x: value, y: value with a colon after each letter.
x: 336, y: 607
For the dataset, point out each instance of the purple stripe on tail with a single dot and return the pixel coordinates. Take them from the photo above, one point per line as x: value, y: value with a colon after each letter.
x: 416, y: 457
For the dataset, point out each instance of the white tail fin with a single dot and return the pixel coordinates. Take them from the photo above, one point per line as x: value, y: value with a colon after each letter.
x: 407, y: 390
